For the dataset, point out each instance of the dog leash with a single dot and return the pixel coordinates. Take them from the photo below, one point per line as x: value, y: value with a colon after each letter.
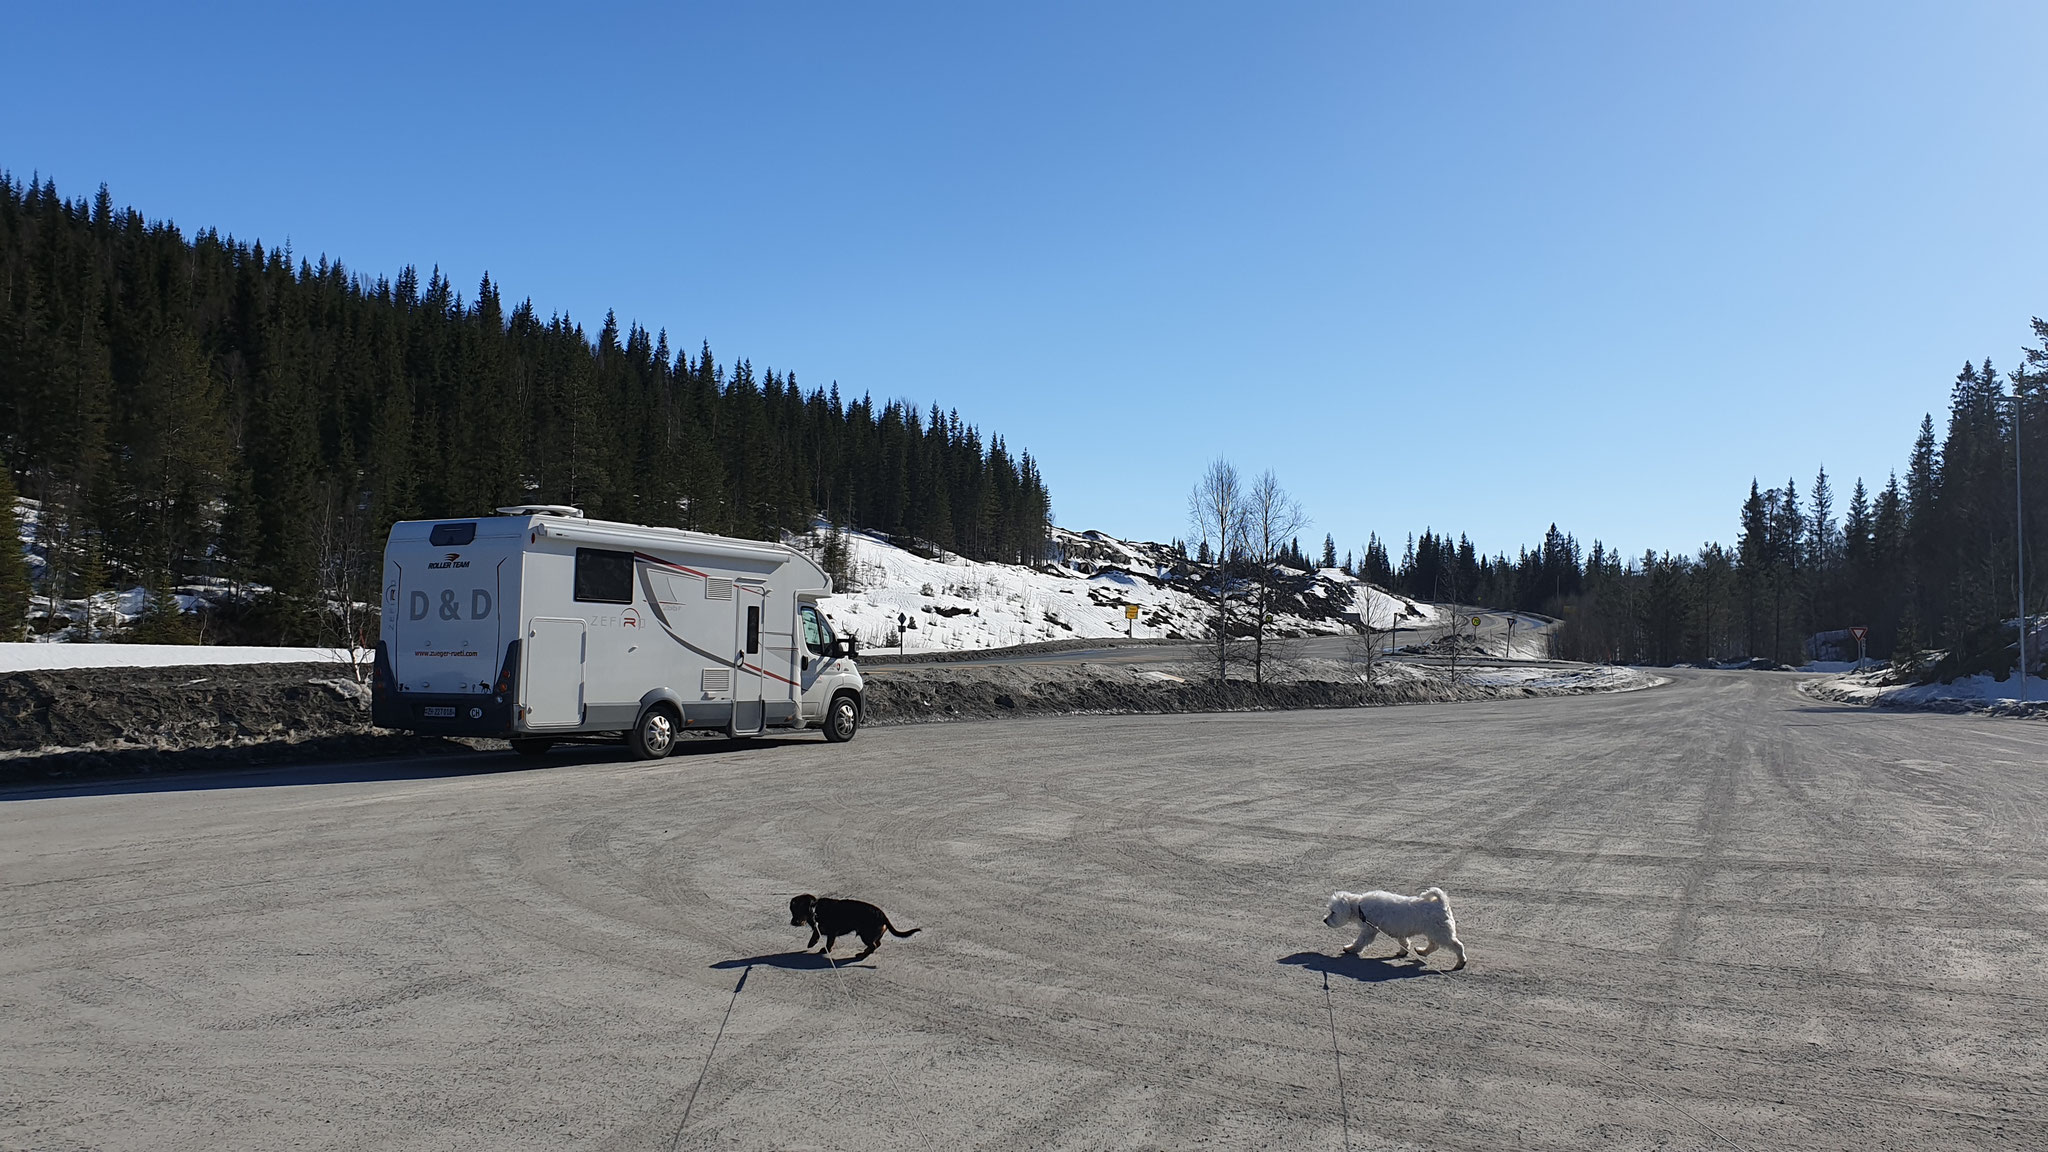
x: 1343, y: 1100
x: 677, y: 1140
x: 843, y: 986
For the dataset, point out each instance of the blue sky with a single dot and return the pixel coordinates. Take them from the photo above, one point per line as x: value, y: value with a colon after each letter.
x: 1475, y: 267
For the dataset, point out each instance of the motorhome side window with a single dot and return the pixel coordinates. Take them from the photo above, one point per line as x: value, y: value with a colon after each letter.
x: 817, y: 633
x: 604, y: 577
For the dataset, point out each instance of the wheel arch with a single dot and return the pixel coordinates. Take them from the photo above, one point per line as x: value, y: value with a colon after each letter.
x: 662, y: 695
x: 860, y: 701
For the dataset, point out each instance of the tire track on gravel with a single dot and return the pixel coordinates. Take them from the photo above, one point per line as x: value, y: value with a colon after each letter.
x: 1054, y: 1028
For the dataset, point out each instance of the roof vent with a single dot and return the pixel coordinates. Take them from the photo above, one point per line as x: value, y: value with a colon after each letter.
x: 542, y: 510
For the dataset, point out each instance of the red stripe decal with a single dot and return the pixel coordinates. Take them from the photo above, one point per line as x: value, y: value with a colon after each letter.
x: 656, y: 560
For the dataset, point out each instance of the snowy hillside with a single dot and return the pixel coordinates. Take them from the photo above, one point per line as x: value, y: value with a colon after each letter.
x: 1084, y: 592
x: 59, y: 620
x: 949, y: 603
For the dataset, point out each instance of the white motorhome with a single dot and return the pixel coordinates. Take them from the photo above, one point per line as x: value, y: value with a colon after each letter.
x: 543, y: 627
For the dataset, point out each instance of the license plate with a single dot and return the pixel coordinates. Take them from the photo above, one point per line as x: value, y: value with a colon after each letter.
x: 434, y: 713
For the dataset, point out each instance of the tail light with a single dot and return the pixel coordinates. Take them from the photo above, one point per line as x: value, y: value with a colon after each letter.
x: 509, y: 674
x: 380, y: 669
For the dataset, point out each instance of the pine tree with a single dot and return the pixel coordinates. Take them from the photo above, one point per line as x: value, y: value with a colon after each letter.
x: 162, y: 622
x: 1787, y: 530
x: 1890, y: 588
x: 1926, y: 539
x: 1857, y: 559
x: 14, y: 586
x: 92, y: 580
x: 837, y: 559
x: 1822, y: 548
x: 1752, y: 567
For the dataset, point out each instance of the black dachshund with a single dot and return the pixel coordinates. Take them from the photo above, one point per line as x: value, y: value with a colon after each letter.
x: 832, y: 919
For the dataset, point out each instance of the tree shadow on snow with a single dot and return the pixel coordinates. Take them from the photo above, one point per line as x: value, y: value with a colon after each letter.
x: 1365, y: 969
x: 794, y: 961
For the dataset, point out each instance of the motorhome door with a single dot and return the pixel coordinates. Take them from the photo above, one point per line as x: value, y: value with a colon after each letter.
x: 748, y: 711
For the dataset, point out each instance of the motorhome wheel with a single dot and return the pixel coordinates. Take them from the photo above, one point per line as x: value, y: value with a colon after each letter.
x: 655, y: 735
x: 842, y: 719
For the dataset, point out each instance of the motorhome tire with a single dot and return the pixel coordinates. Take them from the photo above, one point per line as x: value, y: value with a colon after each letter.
x: 842, y: 718
x: 532, y: 747
x: 655, y: 734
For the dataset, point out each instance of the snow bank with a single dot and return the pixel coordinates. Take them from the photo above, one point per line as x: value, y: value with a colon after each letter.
x: 33, y: 657
x: 1966, y: 694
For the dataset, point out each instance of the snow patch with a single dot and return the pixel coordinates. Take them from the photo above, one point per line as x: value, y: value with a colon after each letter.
x: 36, y: 657
x: 1967, y: 693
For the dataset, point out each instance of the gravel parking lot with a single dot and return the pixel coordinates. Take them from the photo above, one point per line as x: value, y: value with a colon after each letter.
x: 1712, y: 914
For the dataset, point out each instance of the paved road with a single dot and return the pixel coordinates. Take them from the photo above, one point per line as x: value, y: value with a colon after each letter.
x: 1711, y: 915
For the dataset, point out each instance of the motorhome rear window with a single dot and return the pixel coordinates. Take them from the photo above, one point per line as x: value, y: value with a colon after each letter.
x: 452, y: 535
x: 604, y: 577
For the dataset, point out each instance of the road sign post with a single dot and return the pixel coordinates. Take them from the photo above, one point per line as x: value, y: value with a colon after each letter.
x: 1130, y: 620
x: 1859, y: 632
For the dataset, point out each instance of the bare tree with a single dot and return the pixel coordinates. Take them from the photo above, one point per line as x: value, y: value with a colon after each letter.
x: 1368, y: 638
x: 1272, y: 519
x: 346, y: 609
x: 1447, y: 590
x: 1216, y: 513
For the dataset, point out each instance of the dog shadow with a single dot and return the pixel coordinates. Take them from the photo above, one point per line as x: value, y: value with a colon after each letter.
x: 793, y: 961
x: 1366, y: 969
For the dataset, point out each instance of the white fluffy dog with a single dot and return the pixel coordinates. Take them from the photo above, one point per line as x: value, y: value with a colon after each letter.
x: 1427, y: 915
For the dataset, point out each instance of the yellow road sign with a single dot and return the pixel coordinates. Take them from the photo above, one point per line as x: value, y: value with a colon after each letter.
x: 1475, y: 621
x: 1130, y: 611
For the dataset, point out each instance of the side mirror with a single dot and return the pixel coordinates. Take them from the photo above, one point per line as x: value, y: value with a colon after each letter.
x: 850, y: 646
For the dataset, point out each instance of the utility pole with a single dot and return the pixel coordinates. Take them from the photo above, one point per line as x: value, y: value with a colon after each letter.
x: 2019, y: 512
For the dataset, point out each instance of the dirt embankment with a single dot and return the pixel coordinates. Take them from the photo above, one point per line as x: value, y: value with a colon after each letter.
x: 101, y: 721
x: 937, y: 693
x: 97, y: 721
x: 175, y: 707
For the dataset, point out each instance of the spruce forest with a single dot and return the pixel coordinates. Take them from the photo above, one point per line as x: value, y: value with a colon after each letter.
x: 208, y: 409
x: 1925, y: 561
